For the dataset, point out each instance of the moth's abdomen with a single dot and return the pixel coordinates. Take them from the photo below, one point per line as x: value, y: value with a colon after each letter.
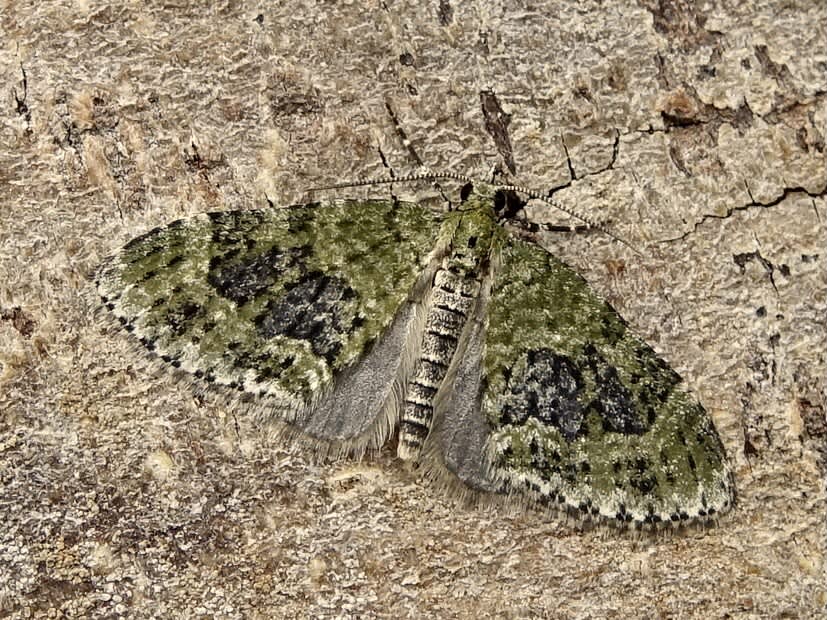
x: 452, y: 299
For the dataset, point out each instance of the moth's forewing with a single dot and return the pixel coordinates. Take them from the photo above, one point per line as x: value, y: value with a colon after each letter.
x: 583, y: 413
x: 281, y: 303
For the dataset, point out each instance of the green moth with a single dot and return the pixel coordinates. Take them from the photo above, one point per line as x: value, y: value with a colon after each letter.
x: 499, y: 366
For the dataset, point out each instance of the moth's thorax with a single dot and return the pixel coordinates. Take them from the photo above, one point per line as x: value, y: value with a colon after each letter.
x: 475, y: 234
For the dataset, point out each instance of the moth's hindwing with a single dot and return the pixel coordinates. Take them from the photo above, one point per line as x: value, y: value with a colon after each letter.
x: 582, y: 413
x: 280, y: 302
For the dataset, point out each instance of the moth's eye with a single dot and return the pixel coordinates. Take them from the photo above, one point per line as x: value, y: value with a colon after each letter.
x: 465, y: 192
x: 499, y: 202
x: 472, y: 242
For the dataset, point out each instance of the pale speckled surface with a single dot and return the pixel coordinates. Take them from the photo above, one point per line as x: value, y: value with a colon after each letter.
x: 124, y: 494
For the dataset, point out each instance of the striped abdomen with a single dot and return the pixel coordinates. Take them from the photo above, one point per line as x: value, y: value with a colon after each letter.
x: 453, y: 297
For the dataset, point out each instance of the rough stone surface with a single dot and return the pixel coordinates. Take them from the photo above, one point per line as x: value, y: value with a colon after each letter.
x: 698, y: 135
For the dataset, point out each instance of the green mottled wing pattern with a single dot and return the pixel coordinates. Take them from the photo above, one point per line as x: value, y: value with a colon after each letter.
x: 276, y: 302
x: 584, y: 414
x: 504, y: 370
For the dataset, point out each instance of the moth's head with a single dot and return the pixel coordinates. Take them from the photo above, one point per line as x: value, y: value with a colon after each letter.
x: 506, y: 203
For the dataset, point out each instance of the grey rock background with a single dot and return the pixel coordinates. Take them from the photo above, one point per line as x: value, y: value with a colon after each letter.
x: 699, y: 134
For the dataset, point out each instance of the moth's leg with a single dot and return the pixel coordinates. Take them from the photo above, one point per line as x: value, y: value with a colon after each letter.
x: 535, y: 227
x: 525, y: 228
x: 403, y: 137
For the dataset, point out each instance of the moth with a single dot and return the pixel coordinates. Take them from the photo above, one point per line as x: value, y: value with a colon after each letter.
x: 498, y: 366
